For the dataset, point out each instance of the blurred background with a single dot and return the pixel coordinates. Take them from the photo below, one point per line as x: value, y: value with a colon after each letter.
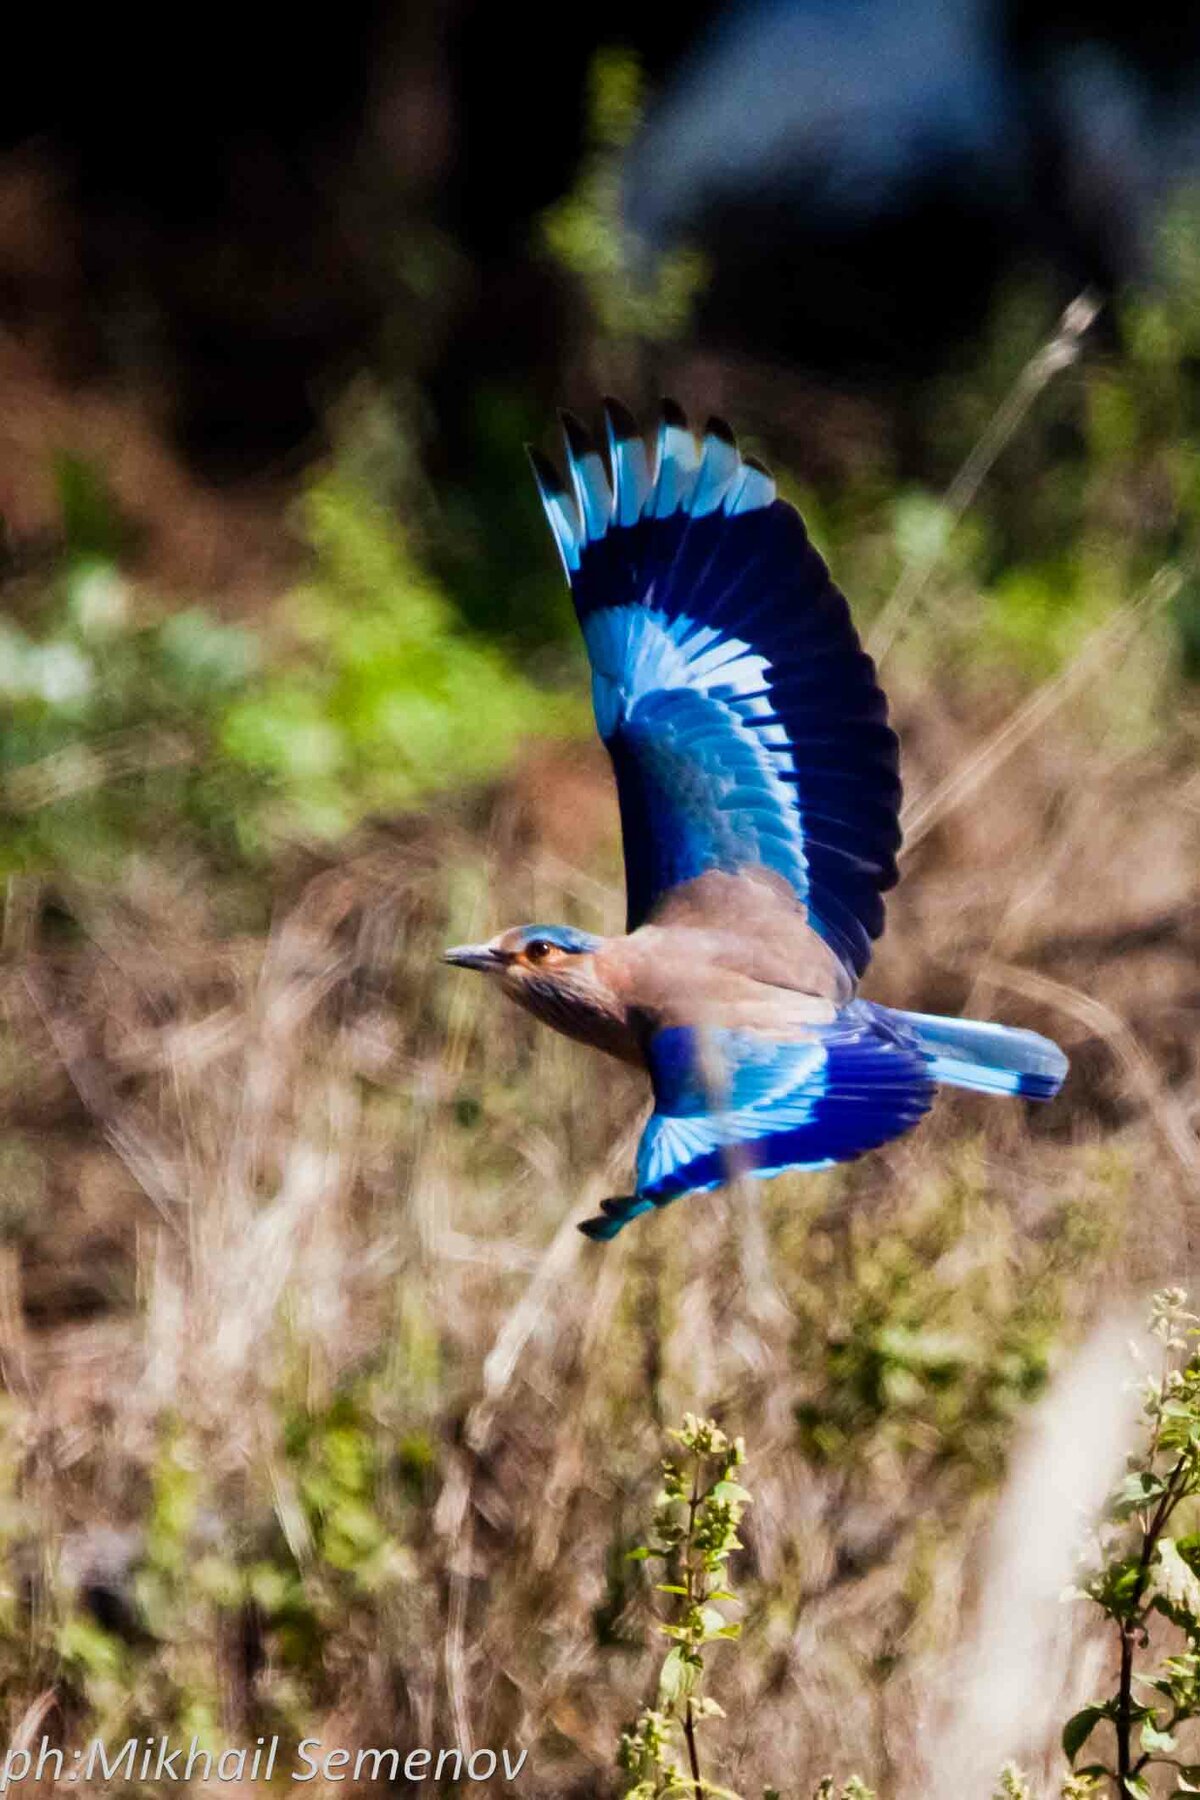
x: 318, y: 1417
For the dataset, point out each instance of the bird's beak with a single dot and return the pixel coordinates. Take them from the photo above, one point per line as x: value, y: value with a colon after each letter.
x: 473, y: 956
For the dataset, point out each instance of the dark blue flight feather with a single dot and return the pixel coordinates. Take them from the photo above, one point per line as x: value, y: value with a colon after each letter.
x: 731, y: 1103
x: 744, y: 721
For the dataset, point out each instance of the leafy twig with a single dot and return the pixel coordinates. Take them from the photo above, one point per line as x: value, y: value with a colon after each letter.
x: 694, y: 1533
x: 1148, y: 1571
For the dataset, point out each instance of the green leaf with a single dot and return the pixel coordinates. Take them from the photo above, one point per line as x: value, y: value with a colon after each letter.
x: 1156, y: 1742
x: 1078, y: 1729
x: 729, y: 1490
x: 638, y: 1555
x: 1137, y: 1490
x: 1176, y: 1582
x: 673, y: 1675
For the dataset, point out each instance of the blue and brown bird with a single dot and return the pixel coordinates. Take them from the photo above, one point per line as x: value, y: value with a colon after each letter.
x: 759, y: 792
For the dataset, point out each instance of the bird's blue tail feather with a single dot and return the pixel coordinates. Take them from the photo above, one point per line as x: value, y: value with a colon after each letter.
x: 989, y: 1059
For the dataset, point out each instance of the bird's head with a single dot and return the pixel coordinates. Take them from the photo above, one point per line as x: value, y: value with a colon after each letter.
x: 530, y: 954
x: 554, y: 972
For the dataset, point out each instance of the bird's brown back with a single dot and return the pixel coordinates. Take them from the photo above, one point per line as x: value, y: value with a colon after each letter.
x: 729, y: 952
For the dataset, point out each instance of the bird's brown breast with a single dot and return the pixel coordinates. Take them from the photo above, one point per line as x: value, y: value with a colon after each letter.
x: 592, y: 1015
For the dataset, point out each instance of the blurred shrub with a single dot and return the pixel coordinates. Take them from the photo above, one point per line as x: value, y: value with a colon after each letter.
x: 279, y: 1583
x: 1149, y: 1571
x: 382, y: 699
x: 1098, y: 488
x: 919, y: 1353
x: 621, y: 307
x: 631, y: 297
x: 121, y: 730
x: 106, y: 725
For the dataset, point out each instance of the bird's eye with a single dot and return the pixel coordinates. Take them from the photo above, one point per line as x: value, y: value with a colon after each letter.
x: 538, y: 949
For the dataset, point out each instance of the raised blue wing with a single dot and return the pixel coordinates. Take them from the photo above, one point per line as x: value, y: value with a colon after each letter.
x: 731, y: 1103
x: 744, y: 721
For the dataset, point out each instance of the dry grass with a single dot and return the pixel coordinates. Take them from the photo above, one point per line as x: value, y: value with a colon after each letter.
x: 255, y: 1177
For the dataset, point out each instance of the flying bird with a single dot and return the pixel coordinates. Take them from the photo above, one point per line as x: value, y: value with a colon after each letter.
x: 759, y: 793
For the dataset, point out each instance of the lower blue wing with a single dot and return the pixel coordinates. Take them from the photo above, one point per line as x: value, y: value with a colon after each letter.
x: 731, y: 1103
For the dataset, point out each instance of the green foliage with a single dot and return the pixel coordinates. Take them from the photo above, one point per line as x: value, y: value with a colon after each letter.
x: 916, y: 1352
x: 1093, y: 487
x: 304, y: 1577
x: 1150, y: 1570
x: 94, y: 532
x: 107, y: 722
x: 121, y: 728
x: 694, y: 1533
x: 383, y: 700
x: 630, y: 298
x: 490, y: 546
x: 1080, y: 1787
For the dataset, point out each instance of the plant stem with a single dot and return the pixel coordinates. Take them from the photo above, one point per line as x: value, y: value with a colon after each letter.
x: 1124, y: 1705
x: 689, y: 1723
x: 1131, y: 1624
x: 689, y: 1732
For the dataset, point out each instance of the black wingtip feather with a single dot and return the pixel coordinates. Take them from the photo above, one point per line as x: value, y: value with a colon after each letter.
x: 621, y: 421
x: 671, y: 413
x: 579, y: 442
x: 719, y: 429
x: 753, y: 462
x: 547, y: 475
x: 599, y: 1230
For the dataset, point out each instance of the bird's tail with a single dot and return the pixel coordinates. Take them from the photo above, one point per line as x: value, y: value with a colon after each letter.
x: 990, y: 1059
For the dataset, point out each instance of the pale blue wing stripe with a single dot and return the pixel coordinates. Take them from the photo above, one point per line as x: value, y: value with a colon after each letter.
x: 561, y: 512
x: 675, y: 472
x: 756, y: 489
x: 631, y: 475
x: 720, y: 466
x: 592, y: 493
